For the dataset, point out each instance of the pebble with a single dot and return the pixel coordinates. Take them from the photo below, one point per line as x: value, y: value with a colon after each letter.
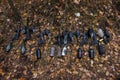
x: 92, y: 63
x: 75, y: 72
x: 77, y: 14
x: 8, y: 20
x: 107, y: 73
x: 35, y: 75
x: 100, y: 65
x: 100, y: 32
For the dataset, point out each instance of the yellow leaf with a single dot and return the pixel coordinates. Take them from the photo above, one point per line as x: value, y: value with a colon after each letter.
x: 1, y: 72
x: 25, y: 14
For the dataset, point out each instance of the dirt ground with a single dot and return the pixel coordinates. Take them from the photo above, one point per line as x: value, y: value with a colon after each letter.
x: 58, y: 15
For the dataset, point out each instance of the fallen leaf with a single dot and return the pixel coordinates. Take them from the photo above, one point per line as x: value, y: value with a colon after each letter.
x: 1, y: 72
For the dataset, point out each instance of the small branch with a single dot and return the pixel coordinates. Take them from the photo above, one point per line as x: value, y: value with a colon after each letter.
x: 15, y: 11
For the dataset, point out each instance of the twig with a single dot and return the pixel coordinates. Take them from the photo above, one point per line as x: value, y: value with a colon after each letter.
x: 15, y: 11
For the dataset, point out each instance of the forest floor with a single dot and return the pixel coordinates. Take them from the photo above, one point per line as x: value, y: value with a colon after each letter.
x: 58, y: 15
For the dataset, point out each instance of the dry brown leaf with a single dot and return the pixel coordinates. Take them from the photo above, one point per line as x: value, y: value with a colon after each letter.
x: 22, y: 79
